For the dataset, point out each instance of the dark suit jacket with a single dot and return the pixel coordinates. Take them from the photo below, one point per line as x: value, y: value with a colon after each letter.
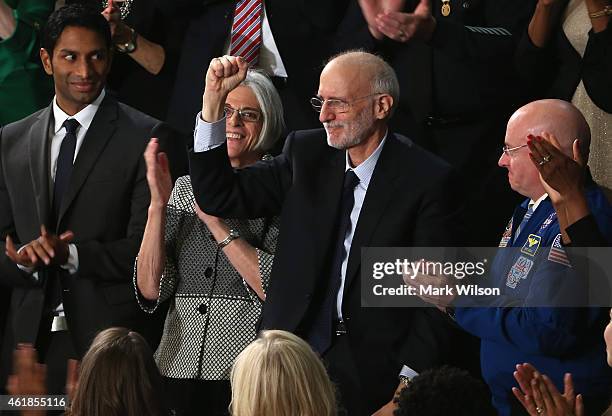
x: 105, y: 206
x: 408, y: 202
x: 303, y: 32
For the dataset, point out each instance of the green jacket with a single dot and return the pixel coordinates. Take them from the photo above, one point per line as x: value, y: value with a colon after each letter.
x: 24, y: 86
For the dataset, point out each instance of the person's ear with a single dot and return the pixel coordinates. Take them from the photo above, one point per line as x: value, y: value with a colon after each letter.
x: 384, y: 103
x: 46, y: 61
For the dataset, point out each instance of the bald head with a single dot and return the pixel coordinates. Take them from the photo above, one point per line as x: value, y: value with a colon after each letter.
x: 372, y: 70
x: 558, y: 117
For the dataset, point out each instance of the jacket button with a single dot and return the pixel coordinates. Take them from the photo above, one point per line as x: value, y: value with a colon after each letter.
x: 208, y: 272
x: 202, y: 309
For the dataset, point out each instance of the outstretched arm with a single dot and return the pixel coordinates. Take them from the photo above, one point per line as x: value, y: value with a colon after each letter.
x: 254, y: 192
x: 152, y: 254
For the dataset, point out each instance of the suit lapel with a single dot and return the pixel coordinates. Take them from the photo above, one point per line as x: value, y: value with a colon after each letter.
x: 379, y: 194
x: 326, y: 205
x: 100, y: 131
x: 39, y: 163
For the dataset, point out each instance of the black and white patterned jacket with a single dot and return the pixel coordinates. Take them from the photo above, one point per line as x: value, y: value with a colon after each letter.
x: 213, y: 312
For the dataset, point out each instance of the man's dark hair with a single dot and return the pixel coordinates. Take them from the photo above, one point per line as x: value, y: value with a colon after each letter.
x: 79, y: 15
x: 445, y: 391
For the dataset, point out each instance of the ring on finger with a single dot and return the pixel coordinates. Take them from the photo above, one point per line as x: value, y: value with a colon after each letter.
x: 539, y: 410
x: 547, y: 158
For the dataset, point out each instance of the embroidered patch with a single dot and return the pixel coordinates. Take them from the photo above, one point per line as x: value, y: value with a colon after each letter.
x: 519, y: 271
x: 557, y: 252
x: 548, y: 221
x: 507, y: 235
x: 531, y: 245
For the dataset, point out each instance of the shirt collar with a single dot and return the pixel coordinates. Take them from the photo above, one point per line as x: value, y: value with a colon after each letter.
x: 365, y: 170
x: 536, y: 203
x: 84, y: 117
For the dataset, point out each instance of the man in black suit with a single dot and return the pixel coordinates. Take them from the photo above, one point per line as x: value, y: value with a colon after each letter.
x: 455, y: 64
x: 73, y: 201
x: 354, y: 184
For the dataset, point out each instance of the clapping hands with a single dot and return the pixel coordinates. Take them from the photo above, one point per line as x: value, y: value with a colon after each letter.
x: 540, y: 397
x: 48, y: 249
x: 385, y: 18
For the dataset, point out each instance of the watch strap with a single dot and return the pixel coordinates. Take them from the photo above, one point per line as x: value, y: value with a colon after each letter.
x: 233, y: 234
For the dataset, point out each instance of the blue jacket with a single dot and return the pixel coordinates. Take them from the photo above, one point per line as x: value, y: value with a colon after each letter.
x: 554, y: 340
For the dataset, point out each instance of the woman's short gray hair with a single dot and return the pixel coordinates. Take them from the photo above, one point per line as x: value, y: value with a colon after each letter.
x: 271, y: 109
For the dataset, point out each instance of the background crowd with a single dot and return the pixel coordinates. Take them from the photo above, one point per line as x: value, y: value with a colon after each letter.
x: 186, y: 188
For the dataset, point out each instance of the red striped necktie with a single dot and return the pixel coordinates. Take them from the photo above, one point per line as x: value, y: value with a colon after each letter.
x: 246, y: 30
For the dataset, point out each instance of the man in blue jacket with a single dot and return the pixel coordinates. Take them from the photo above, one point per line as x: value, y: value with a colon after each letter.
x: 533, y: 270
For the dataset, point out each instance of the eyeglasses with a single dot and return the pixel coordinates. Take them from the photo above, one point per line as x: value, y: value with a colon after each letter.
x: 248, y: 115
x: 335, y: 105
x: 509, y: 151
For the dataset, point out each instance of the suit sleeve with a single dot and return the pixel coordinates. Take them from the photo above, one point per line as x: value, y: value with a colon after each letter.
x: 438, y: 224
x: 586, y: 233
x: 439, y: 219
x: 10, y: 274
x: 114, y: 260
x: 253, y: 192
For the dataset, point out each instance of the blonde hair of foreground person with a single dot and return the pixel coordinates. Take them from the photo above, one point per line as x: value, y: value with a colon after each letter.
x: 118, y: 377
x: 278, y: 374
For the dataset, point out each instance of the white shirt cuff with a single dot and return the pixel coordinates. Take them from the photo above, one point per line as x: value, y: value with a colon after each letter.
x: 208, y: 136
x: 408, y: 372
x: 26, y: 269
x: 72, y: 265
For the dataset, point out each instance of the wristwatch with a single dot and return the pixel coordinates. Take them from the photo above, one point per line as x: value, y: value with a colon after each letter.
x: 233, y: 234
x: 130, y: 46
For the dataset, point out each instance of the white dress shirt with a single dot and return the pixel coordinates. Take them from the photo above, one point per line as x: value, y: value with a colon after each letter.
x: 269, y: 57
x: 364, y: 172
x: 84, y: 117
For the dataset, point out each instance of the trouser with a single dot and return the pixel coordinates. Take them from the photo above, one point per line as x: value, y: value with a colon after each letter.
x: 190, y: 397
x: 343, y: 373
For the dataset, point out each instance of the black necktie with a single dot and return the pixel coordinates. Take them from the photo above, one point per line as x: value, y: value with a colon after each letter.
x: 320, y: 334
x: 64, y: 166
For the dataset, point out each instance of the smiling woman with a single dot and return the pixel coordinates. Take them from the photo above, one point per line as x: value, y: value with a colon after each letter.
x: 215, y: 271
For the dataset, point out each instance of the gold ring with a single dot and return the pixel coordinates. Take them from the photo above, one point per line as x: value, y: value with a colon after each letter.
x: 539, y: 410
